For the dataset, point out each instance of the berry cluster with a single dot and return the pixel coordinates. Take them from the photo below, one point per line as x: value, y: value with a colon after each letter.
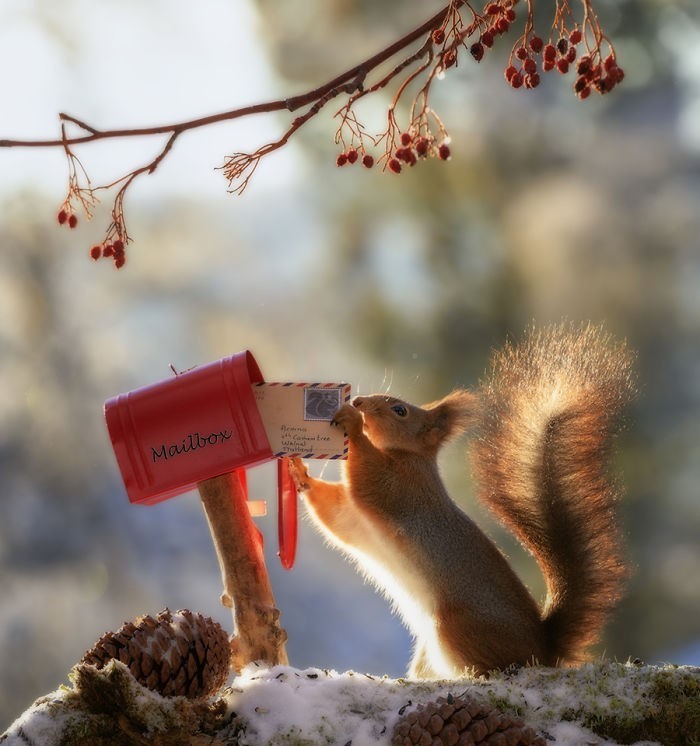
x: 601, y: 76
x: 497, y: 16
x: 66, y: 216
x: 110, y: 249
x: 351, y: 156
x: 593, y: 73
x: 114, y: 249
x: 526, y: 74
x: 415, y: 146
x: 531, y: 55
x: 412, y: 148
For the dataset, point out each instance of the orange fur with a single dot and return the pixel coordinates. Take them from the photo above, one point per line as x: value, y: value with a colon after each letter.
x: 544, y: 419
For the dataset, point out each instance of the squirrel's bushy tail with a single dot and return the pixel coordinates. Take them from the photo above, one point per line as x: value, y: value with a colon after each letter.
x: 551, y: 407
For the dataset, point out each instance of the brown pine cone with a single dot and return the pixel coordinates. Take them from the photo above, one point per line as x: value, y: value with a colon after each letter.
x: 460, y: 721
x: 176, y: 654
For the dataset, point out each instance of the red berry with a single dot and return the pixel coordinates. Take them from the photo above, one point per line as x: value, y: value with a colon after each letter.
x: 394, y: 166
x: 530, y: 66
x: 609, y: 62
x: 536, y: 44
x: 510, y: 15
x: 571, y: 55
x: 517, y: 80
x: 502, y: 25
x: 438, y: 36
x: 72, y: 221
x: 594, y: 73
x: 584, y: 93
x: 118, y: 245
x: 368, y: 161
x: 406, y: 139
x: 575, y: 36
x: 341, y: 160
x: 563, y: 66
x: 108, y: 250
x: 449, y: 58
x: 62, y: 217
x: 444, y: 152
x: 618, y: 74
x: 493, y: 9
x: 549, y: 52
x: 487, y: 39
x: 96, y: 252
x: 604, y: 85
x: 477, y: 51
x: 510, y: 72
x: 532, y: 80
x: 548, y: 65
x: 580, y: 83
x: 352, y: 155
x: 521, y: 53
x: 563, y: 45
x: 584, y: 65
x: 119, y: 261
x: 422, y: 146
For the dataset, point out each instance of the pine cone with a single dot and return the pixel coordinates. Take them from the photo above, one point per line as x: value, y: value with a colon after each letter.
x: 176, y: 654
x: 460, y: 721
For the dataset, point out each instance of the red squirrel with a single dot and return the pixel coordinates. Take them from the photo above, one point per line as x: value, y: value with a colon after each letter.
x: 543, y: 422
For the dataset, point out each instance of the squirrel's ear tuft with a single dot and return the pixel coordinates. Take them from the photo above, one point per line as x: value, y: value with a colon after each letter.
x: 450, y: 416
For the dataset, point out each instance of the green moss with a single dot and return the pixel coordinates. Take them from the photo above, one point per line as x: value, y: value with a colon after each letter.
x: 669, y: 712
x: 505, y: 705
x: 113, y: 708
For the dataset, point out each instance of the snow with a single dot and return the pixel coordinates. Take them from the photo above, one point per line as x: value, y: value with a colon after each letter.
x: 323, y: 705
x: 37, y: 725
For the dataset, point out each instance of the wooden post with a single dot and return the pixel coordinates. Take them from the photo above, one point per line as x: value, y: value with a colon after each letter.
x: 258, y: 635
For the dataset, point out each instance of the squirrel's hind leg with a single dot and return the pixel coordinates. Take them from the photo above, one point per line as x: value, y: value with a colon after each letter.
x: 420, y: 667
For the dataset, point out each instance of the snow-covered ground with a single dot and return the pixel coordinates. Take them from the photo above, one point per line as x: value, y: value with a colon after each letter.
x: 284, y: 705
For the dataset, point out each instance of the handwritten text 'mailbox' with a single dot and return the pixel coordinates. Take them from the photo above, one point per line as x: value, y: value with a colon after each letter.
x: 191, y: 442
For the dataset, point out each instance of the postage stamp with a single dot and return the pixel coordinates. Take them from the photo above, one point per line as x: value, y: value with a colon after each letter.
x: 321, y: 403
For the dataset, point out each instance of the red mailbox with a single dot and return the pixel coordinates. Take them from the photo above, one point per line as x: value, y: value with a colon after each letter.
x: 169, y: 436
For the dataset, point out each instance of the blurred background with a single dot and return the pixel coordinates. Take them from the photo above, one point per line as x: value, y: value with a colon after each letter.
x: 549, y: 208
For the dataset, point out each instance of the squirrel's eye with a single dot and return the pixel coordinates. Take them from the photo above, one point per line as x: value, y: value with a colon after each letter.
x: 400, y: 410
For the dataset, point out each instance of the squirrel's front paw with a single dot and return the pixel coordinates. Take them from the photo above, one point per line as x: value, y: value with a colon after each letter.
x: 299, y: 474
x: 349, y: 418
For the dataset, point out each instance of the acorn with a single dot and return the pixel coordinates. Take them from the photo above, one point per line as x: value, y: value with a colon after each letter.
x: 460, y: 720
x: 177, y: 653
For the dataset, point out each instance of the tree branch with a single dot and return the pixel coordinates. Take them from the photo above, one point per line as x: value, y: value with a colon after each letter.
x: 347, y: 82
x: 442, y: 37
x: 247, y: 591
